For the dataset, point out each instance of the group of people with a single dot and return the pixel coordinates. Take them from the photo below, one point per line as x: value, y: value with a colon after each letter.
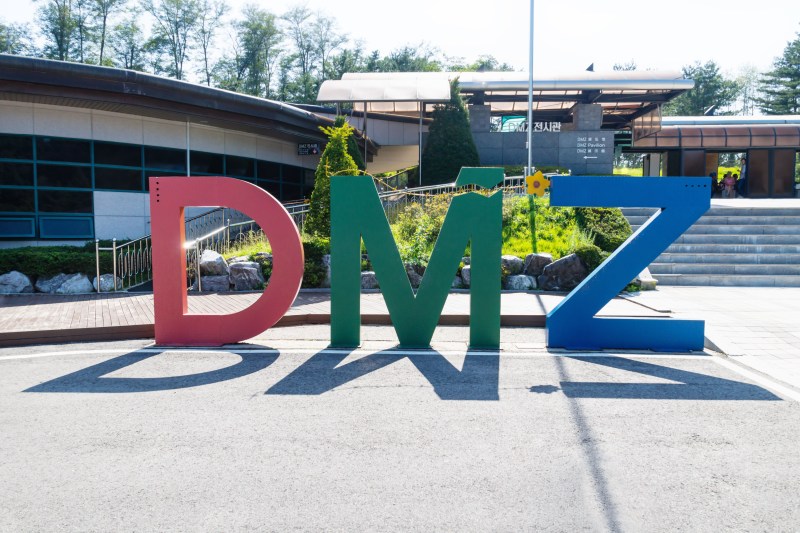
x: 731, y: 185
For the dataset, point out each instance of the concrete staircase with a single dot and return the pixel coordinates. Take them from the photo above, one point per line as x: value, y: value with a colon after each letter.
x: 732, y: 246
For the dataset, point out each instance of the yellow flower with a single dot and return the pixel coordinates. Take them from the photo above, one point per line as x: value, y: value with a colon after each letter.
x: 537, y: 183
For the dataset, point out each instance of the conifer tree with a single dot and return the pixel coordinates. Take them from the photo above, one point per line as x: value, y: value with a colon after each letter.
x: 781, y: 86
x: 450, y: 145
x: 334, y: 161
x: 352, y: 145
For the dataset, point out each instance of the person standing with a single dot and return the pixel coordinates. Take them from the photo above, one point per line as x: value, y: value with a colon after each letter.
x: 741, y: 184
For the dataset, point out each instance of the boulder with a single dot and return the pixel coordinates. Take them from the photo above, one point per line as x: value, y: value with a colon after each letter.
x: 466, y: 260
x: 466, y: 275
x: 512, y: 265
x: 414, y: 276
x: 246, y: 276
x: 65, y: 284
x: 520, y: 282
x: 326, y: 264
x: 369, y: 280
x: 215, y: 283
x: 535, y: 263
x: 263, y: 257
x: 14, y: 283
x: 457, y: 283
x: 238, y: 259
x: 213, y: 264
x: 106, y: 283
x: 564, y: 274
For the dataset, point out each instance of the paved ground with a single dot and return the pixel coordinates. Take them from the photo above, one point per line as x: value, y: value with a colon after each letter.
x: 757, y: 327
x: 274, y: 436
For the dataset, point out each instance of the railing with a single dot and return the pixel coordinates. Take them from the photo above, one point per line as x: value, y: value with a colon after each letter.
x: 218, y: 228
x: 132, y: 262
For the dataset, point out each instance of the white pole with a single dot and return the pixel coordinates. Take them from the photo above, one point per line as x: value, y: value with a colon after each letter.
x: 529, y: 169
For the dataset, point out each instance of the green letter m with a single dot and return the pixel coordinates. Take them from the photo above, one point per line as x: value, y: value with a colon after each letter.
x: 356, y: 212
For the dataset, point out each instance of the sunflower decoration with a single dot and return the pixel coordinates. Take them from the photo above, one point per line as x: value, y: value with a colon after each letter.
x: 537, y: 183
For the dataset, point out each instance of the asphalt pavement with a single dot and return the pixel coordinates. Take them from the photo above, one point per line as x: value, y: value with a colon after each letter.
x: 280, y: 434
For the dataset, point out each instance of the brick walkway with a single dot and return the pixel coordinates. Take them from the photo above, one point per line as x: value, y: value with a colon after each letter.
x: 45, y: 318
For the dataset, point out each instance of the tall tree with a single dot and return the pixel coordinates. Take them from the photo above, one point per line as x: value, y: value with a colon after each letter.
x: 484, y: 63
x: 711, y: 93
x: 84, y: 28
x: 781, y: 85
x: 15, y: 39
x: 260, y: 41
x: 127, y: 43
x: 348, y: 60
x: 174, y: 28
x: 410, y: 59
x: 58, y: 26
x: 450, y: 145
x: 102, y: 10
x: 326, y: 40
x: 749, y: 90
x: 209, y: 21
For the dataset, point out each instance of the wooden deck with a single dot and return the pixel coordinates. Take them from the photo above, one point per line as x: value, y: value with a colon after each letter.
x: 45, y: 318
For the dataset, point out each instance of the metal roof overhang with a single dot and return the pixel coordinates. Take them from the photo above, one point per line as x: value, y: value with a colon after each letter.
x: 123, y: 91
x: 733, y: 137
x: 401, y: 96
x: 624, y: 95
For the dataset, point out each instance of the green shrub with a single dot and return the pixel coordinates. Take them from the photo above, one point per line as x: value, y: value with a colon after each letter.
x: 591, y: 255
x: 607, y: 226
x: 44, y: 261
x: 313, y: 250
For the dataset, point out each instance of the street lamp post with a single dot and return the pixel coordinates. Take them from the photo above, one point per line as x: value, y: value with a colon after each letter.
x: 529, y: 168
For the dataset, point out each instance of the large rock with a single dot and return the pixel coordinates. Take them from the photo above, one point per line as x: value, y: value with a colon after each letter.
x: 535, y: 263
x: 520, y: 282
x: 414, y: 274
x: 246, y: 276
x: 564, y: 274
x: 457, y: 283
x: 512, y: 265
x: 326, y: 264
x: 466, y: 275
x: 238, y: 259
x: 213, y: 264
x: 106, y: 283
x: 14, y: 283
x: 466, y: 260
x: 369, y: 280
x: 65, y: 284
x: 215, y: 283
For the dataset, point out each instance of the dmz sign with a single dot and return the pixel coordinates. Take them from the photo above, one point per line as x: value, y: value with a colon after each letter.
x: 474, y: 219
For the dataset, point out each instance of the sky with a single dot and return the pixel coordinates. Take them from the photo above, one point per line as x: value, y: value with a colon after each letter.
x: 569, y: 35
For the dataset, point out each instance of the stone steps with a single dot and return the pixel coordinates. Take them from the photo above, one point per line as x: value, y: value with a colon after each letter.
x: 730, y: 246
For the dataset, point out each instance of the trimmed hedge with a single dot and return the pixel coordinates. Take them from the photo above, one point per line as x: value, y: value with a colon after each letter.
x: 607, y: 226
x: 43, y: 261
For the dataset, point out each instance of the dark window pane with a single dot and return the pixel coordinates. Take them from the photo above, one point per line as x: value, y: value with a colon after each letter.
x: 206, y: 163
x: 158, y: 174
x: 17, y: 227
x: 52, y: 149
x: 65, y: 228
x: 16, y: 174
x: 239, y: 166
x: 64, y: 176
x: 309, y: 179
x: 16, y: 200
x: 118, y: 178
x: 165, y: 158
x: 291, y: 192
x: 292, y: 174
x: 125, y: 155
x: 272, y: 187
x: 269, y: 171
x: 15, y: 147
x: 65, y: 202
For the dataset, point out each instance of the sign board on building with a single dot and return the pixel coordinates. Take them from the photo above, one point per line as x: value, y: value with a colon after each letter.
x: 308, y: 149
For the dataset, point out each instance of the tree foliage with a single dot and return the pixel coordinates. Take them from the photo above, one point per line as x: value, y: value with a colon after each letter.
x: 14, y: 39
x: 450, y: 145
x: 352, y: 145
x: 335, y: 160
x: 176, y: 22
x: 711, y: 94
x: 781, y: 86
